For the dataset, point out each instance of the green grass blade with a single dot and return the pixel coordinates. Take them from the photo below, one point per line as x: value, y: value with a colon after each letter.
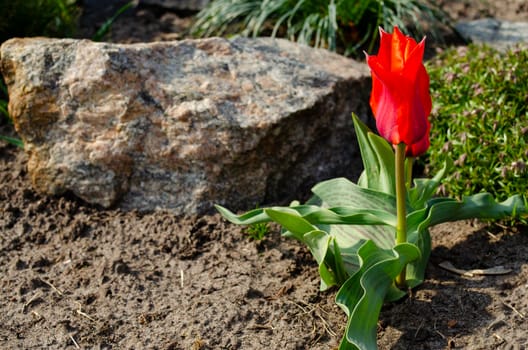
x: 105, y: 28
x: 14, y: 141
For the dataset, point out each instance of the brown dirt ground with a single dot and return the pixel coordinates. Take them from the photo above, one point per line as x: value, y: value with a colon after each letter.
x: 74, y: 276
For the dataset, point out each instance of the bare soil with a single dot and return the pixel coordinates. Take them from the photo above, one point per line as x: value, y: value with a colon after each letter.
x: 74, y: 276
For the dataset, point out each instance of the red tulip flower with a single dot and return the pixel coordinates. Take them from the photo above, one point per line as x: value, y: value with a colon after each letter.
x: 400, y: 97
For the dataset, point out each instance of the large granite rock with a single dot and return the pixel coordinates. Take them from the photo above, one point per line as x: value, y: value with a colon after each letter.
x: 183, y: 125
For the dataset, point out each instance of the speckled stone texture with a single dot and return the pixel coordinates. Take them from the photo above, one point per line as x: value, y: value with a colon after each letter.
x: 183, y: 125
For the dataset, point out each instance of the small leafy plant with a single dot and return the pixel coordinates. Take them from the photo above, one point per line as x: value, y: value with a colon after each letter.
x: 371, y: 239
x: 321, y: 23
x: 257, y: 231
x: 480, y: 120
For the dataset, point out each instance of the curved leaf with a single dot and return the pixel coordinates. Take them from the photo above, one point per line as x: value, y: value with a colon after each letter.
x: 341, y: 192
x: 362, y: 295
x: 378, y: 159
x: 254, y: 216
x: 318, y: 242
x: 424, y: 189
x: 313, y: 215
x: 439, y: 210
x: 415, y: 272
x: 345, y: 215
x: 478, y: 206
x: 290, y: 220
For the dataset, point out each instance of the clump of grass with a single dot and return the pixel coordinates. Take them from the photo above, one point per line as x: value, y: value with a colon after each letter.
x: 331, y: 24
x: 480, y: 120
x: 257, y: 231
x: 53, y: 18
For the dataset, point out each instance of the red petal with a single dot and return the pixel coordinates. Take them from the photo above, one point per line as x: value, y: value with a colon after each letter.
x: 414, y: 61
x: 384, y: 52
x: 400, y: 97
x: 419, y: 147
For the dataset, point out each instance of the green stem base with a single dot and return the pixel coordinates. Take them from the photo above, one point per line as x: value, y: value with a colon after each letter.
x: 401, y: 212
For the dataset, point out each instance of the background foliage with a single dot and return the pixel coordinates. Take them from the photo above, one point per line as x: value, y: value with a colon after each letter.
x: 52, y: 18
x: 480, y: 120
x: 346, y: 25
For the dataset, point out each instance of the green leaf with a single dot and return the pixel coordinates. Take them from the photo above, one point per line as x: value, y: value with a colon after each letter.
x: 361, y: 296
x: 318, y: 243
x: 14, y: 141
x: 378, y: 159
x: 478, y: 206
x: 415, y: 271
x: 424, y: 189
x: 338, y: 263
x: 254, y: 216
x: 439, y: 210
x: 105, y: 28
x: 310, y: 215
x: 344, y: 215
x: 340, y: 192
x: 291, y: 221
x: 349, y: 228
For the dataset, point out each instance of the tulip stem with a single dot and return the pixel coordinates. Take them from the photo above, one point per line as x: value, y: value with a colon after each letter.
x: 401, y: 211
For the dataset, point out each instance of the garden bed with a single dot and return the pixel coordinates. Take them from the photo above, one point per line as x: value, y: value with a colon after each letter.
x: 75, y: 276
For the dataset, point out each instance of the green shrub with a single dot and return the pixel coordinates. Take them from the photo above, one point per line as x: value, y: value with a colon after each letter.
x: 480, y: 120
x: 345, y: 24
x: 21, y: 18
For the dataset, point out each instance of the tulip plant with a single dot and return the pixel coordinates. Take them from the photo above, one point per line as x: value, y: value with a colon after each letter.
x: 371, y: 239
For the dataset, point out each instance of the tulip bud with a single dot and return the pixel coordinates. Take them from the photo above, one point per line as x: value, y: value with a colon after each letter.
x: 400, y: 98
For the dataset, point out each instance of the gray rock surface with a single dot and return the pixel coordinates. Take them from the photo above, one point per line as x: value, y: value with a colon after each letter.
x: 183, y: 125
x: 191, y: 5
x: 496, y: 33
